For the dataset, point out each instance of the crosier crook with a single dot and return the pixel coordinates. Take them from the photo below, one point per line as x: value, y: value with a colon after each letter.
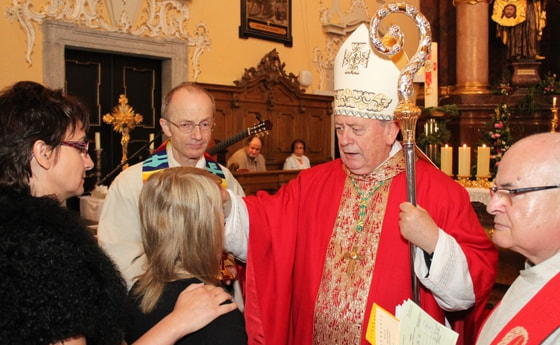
x: 407, y: 112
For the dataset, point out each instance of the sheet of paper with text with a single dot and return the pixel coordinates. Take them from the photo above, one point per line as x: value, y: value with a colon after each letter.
x: 411, y: 326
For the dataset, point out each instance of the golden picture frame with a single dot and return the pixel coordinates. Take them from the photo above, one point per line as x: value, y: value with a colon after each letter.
x: 267, y: 19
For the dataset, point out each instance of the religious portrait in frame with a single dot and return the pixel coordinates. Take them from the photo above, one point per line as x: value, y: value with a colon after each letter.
x: 267, y: 19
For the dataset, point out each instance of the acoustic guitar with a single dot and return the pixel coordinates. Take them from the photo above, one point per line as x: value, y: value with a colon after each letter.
x: 260, y: 129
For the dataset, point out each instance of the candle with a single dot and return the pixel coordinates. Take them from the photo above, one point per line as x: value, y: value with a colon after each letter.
x: 447, y: 160
x: 483, y: 161
x: 464, y: 161
x: 151, y: 141
x: 97, y: 140
x: 554, y: 102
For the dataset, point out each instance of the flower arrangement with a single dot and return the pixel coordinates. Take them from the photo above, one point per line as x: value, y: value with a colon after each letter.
x: 498, y: 136
x: 503, y: 88
x: 549, y: 85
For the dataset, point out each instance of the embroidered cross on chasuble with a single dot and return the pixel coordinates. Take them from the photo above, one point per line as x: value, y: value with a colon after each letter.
x: 350, y: 258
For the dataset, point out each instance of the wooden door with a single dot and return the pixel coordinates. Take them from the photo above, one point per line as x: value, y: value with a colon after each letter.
x: 99, y: 79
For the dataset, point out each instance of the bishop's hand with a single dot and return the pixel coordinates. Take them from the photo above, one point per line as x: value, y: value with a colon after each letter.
x: 418, y: 227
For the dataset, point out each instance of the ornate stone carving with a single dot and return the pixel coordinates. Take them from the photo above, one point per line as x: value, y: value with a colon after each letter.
x: 337, y: 32
x: 321, y: 65
x: 158, y: 19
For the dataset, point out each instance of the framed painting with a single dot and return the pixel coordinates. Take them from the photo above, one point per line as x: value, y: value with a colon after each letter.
x: 267, y: 19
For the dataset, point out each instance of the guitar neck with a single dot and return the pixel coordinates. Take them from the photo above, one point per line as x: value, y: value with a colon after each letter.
x: 222, y: 145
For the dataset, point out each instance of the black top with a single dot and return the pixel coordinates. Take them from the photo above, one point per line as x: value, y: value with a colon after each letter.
x: 55, y: 281
x: 226, y: 329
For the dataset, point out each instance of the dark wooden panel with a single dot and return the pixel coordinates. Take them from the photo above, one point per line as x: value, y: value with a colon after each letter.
x: 269, y: 181
x: 270, y: 92
x: 99, y: 79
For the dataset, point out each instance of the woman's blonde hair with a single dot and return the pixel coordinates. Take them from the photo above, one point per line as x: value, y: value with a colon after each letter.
x: 181, y: 214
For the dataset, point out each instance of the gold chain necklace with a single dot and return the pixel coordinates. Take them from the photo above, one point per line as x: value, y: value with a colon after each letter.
x: 363, y: 203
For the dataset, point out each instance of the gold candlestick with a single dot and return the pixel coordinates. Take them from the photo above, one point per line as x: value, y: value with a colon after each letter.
x: 482, y: 182
x: 464, y: 181
x: 554, y: 121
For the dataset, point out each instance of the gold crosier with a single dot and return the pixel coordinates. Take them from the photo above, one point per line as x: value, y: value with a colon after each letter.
x: 407, y: 112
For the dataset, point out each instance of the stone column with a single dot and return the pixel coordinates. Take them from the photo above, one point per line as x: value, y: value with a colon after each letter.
x: 472, y: 47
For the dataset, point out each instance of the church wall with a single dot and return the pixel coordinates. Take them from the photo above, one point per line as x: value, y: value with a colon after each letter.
x: 222, y: 62
x: 13, y: 66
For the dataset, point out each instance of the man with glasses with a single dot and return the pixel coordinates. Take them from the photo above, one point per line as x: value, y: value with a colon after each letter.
x: 337, y: 237
x: 188, y: 120
x: 524, y: 204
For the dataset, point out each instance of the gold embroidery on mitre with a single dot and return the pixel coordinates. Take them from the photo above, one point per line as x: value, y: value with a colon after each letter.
x: 356, y: 57
x: 516, y: 336
x: 362, y: 103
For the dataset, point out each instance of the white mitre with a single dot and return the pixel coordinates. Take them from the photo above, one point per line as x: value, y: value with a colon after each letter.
x: 365, y: 82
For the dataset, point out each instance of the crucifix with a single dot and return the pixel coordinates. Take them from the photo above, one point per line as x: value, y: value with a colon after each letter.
x: 123, y: 119
x: 353, y: 256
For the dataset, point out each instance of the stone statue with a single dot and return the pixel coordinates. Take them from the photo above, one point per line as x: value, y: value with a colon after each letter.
x: 520, y: 25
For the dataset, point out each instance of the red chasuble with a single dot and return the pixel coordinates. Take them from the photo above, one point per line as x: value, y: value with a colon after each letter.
x: 291, y: 231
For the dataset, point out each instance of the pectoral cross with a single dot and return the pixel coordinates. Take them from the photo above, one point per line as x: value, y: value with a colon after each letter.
x: 353, y: 256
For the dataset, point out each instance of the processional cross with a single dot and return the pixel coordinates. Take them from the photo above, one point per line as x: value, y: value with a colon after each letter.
x: 123, y: 119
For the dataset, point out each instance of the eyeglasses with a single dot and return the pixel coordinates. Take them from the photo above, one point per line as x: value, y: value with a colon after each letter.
x: 510, y: 193
x: 188, y: 126
x: 82, y: 146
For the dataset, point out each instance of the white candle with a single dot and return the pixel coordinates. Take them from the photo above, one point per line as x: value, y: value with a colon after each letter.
x: 151, y: 141
x: 464, y: 161
x: 483, y: 161
x: 447, y: 160
x: 97, y: 140
x: 554, y: 102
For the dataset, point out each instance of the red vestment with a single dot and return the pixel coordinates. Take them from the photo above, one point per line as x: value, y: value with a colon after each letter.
x: 290, y: 232
x: 525, y: 327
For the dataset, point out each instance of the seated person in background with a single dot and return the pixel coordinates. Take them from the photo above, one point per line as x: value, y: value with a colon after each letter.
x: 56, y: 284
x: 297, y: 160
x: 248, y: 158
x: 524, y: 204
x: 182, y: 224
